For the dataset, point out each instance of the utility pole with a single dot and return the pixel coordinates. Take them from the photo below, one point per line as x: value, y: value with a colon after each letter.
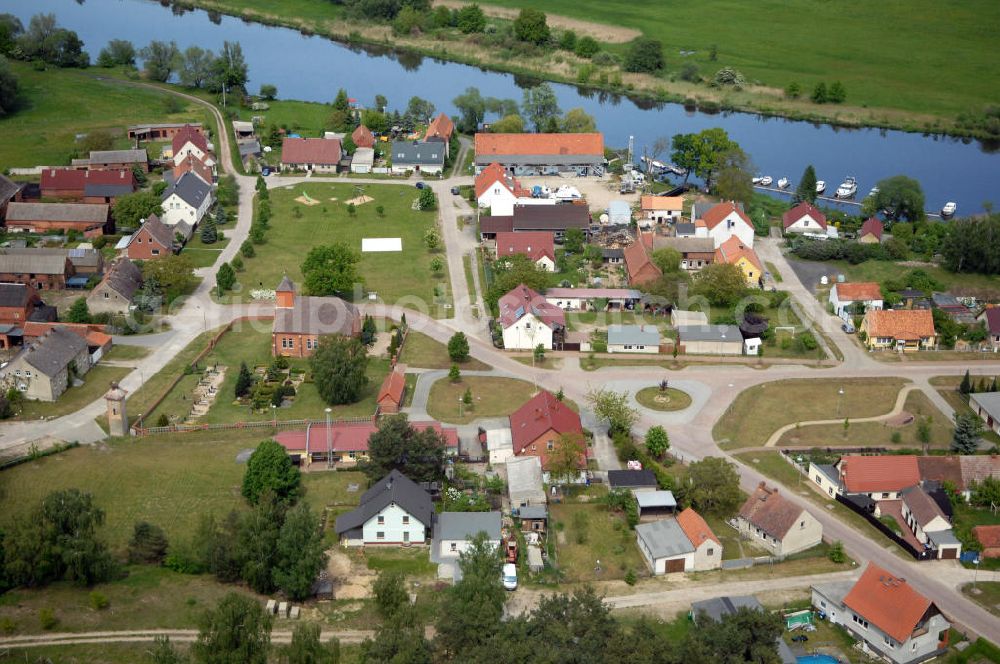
x: 329, y: 441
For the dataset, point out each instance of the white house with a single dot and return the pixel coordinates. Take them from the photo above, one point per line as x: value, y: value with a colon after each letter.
x: 186, y: 201
x: 886, y: 615
x: 775, y: 523
x: 866, y: 293
x: 804, y: 218
x: 660, y: 209
x: 922, y: 514
x: 455, y: 530
x: 723, y: 221
x: 633, y: 339
x: 497, y: 190
x: 363, y: 160
x: 528, y: 319
x: 395, y: 510
x: 190, y: 141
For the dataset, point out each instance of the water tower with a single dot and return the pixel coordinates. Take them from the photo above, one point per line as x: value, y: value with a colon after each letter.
x: 117, y: 418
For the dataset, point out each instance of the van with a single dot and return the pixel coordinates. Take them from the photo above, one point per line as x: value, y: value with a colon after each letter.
x: 509, y: 576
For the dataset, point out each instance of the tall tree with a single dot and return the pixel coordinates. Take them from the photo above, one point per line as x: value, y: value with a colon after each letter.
x: 714, y: 486
x: 806, y: 191
x: 78, y: 312
x: 229, y: 71
x: 540, y: 105
x: 270, y: 469
x: 118, y: 52
x: 300, y: 552
x: 531, y: 26
x: 965, y: 439
x: 898, y: 197
x: 160, y: 59
x: 657, y: 441
x: 970, y: 245
x: 700, y: 153
x: 419, y: 109
x: 9, y: 88
x: 471, y: 613
x: 644, y: 55
x: 734, y: 179
x: 578, y: 121
x: 614, y: 408
x: 566, y: 456
x: 331, y: 268
x: 195, y: 66
x: 339, y: 365
x: 390, y: 594
x: 471, y: 108
x: 458, y: 347
x: 257, y: 545
x: 722, y: 284
x: 131, y: 209
x: 148, y: 544
x: 397, y: 445
x: 238, y: 631
x: 306, y: 647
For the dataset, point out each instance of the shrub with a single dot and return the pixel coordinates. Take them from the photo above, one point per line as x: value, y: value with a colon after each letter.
x: 247, y: 249
x: 836, y: 553
x: 587, y: 47
x: 644, y: 55
x: 99, y: 601
x: 630, y: 577
x: 47, y: 619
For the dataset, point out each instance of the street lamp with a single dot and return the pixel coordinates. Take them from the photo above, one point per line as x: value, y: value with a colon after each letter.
x: 274, y: 415
x: 460, y: 409
x: 975, y: 575
x: 840, y: 399
x: 329, y: 440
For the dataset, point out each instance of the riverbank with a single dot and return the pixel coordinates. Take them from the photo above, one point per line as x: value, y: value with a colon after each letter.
x: 328, y: 20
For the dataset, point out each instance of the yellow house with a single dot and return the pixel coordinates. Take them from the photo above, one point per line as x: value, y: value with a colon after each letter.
x: 902, y: 330
x: 734, y: 252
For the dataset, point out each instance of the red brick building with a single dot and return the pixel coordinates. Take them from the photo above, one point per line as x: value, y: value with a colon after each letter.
x: 160, y: 132
x: 87, y: 186
x: 90, y: 219
x: 154, y: 239
x: 536, y: 427
x: 300, y: 320
x: 17, y: 302
x: 390, y: 395
x: 42, y: 271
x: 639, y: 263
x: 363, y: 137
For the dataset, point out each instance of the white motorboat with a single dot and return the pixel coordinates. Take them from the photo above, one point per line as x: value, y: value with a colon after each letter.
x: 756, y: 180
x: 949, y: 209
x: 820, y: 186
x: 847, y: 188
x: 873, y: 191
x: 783, y: 183
x: 766, y: 181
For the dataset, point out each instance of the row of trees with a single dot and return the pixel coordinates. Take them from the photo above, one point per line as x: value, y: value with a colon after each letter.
x: 43, y: 40
x: 195, y: 67
x: 539, y: 108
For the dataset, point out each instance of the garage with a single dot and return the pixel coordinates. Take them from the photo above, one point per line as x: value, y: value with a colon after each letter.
x: 948, y: 554
x: 675, y: 565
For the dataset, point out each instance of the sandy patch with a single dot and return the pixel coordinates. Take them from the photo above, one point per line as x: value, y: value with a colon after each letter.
x: 359, y: 200
x: 351, y: 581
x: 334, y: 199
x: 605, y: 33
x: 306, y: 199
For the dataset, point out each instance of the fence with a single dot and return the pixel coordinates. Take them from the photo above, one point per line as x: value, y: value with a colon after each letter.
x: 884, y: 529
x: 260, y: 424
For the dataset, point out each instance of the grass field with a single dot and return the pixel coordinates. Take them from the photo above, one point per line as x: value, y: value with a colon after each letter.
x: 201, y: 254
x: 251, y: 343
x: 586, y: 533
x: 491, y: 397
x: 777, y: 42
x: 95, y: 384
x: 761, y: 410
x: 58, y: 104
x: 124, y: 353
x: 877, y: 434
x: 422, y: 352
x: 652, y: 397
x: 880, y: 271
x: 397, y: 277
x: 947, y: 387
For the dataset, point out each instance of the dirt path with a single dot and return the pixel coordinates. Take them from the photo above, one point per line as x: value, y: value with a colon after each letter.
x: 140, y: 636
x: 606, y: 33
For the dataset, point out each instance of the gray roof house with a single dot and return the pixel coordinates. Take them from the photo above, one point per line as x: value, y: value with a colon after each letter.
x: 190, y: 188
x: 454, y: 530
x: 710, y: 339
x: 719, y: 607
x: 99, y: 157
x: 43, y: 370
x: 417, y: 156
x: 665, y: 546
x: 185, y: 202
x: 633, y: 339
x: 395, y: 510
x: 987, y: 406
x: 632, y: 479
x: 117, y: 289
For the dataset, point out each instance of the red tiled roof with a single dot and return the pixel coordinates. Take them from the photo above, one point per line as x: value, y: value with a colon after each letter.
x: 669, y: 203
x: 717, y: 213
x: 440, y: 127
x: 872, y: 226
x: 992, y: 316
x: 802, y: 209
x: 363, y: 137
x: 543, y: 412
x: 887, y: 602
x: 640, y: 268
x: 348, y: 436
x: 695, y: 528
x: 533, y: 244
x: 71, y: 178
x: 192, y: 164
x: 988, y: 536
x: 392, y: 386
x: 189, y: 134
x: 496, y: 224
x: 909, y: 324
x: 771, y: 512
x: 539, y: 144
x: 496, y: 173
x: 863, y: 291
x: 92, y: 332
x: 733, y: 249
x: 310, y: 150
x: 874, y: 474
x: 521, y: 300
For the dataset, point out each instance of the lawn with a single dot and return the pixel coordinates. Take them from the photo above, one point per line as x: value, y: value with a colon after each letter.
x: 877, y: 434
x: 586, y: 533
x: 761, y: 410
x: 140, y: 400
x: 550, y: 363
x: 125, y: 353
x: 774, y: 272
x: 95, y: 384
x: 733, y: 547
x: 777, y: 42
x: 396, y: 277
x: 880, y: 271
x: 491, y: 397
x: 986, y: 594
x: 421, y: 351
x: 654, y: 398
x: 58, y: 104
x: 947, y: 387
x: 251, y: 343
x: 201, y: 254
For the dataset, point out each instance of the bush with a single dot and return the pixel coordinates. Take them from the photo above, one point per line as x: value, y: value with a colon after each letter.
x: 99, y: 601
x: 630, y: 577
x: 247, y: 249
x: 47, y: 619
x: 604, y: 59
x: 587, y: 47
x: 836, y: 553
x: 644, y: 55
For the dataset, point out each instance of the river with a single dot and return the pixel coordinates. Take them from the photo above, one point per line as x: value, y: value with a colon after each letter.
x: 313, y: 68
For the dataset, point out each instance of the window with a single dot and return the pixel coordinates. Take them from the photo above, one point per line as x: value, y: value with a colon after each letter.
x: 822, y: 604
x: 380, y: 535
x: 802, y: 524
x: 381, y: 520
x: 888, y: 641
x: 352, y: 455
x: 106, y: 295
x: 550, y: 446
x: 406, y: 536
x: 454, y: 546
x: 711, y: 552
x: 885, y: 494
x: 859, y: 620
x: 156, y: 252
x: 406, y: 520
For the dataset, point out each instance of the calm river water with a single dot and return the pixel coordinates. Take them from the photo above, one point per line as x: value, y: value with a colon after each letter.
x: 313, y: 68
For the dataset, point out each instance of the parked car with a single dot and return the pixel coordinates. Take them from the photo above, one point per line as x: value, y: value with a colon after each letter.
x: 509, y: 576
x: 420, y: 185
x: 848, y: 327
x: 455, y: 191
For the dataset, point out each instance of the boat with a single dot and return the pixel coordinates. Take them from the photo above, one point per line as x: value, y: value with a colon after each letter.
x: 820, y: 186
x: 766, y: 181
x: 783, y: 183
x: 873, y: 191
x: 756, y: 180
x: 847, y: 188
x: 949, y: 209
x: 656, y: 167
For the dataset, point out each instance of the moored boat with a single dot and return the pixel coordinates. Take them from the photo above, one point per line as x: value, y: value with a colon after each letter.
x: 783, y: 183
x: 847, y: 188
x: 766, y: 181
x: 820, y: 186
x: 949, y: 209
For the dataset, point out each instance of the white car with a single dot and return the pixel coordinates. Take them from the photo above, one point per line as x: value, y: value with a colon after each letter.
x: 509, y: 576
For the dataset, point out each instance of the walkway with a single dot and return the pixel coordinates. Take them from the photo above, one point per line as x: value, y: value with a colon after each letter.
x: 148, y: 635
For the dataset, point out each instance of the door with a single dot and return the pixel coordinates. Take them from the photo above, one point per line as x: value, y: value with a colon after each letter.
x: 949, y: 554
x: 675, y: 565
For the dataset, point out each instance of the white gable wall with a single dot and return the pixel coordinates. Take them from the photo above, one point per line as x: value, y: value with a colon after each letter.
x: 728, y: 227
x: 527, y: 333
x: 397, y: 526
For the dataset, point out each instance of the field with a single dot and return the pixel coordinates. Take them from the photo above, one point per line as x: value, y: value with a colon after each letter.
x: 588, y: 533
x: 58, y: 104
x: 397, y: 277
x: 251, y: 343
x: 491, y: 397
x: 877, y: 434
x: 761, y: 410
x: 947, y: 387
x: 422, y: 352
x: 95, y: 384
x: 777, y: 42
x: 204, y: 255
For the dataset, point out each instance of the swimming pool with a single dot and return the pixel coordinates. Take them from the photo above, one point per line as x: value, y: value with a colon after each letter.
x: 817, y: 659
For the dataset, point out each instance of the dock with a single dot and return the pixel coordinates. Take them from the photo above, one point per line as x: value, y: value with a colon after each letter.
x: 829, y: 199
